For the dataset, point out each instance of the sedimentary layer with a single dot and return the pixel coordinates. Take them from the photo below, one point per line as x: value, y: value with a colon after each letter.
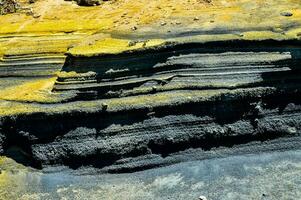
x: 161, y: 101
x: 104, y: 91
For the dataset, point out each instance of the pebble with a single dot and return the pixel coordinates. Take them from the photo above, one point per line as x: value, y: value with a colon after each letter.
x: 163, y: 23
x: 36, y: 15
x: 104, y: 107
x: 202, y: 198
x: 196, y: 19
x: 154, y: 88
x: 286, y: 14
x: 292, y: 130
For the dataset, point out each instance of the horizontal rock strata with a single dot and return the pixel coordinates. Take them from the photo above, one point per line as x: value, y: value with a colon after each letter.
x: 31, y: 65
x: 130, y: 111
x: 187, y: 67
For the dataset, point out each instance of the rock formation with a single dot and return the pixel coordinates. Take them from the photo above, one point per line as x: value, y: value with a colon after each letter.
x: 81, y: 87
x: 156, y: 103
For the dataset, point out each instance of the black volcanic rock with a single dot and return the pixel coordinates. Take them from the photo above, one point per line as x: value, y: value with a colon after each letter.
x: 2, y: 140
x: 87, y: 2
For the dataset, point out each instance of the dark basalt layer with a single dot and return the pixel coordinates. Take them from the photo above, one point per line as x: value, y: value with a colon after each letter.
x: 225, y: 65
x: 161, y: 136
x: 30, y: 65
x: 251, y: 93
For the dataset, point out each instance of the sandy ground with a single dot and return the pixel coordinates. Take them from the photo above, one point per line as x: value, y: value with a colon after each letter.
x: 266, y: 176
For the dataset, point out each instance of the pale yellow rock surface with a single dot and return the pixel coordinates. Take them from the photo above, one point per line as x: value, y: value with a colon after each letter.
x: 57, y: 27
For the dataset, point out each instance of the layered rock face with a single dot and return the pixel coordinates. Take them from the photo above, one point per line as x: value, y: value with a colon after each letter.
x: 180, y: 67
x: 85, y: 94
x: 30, y: 65
x: 208, y: 96
x: 153, y: 107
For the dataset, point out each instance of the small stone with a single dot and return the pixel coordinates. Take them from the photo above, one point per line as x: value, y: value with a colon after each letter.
x: 292, y: 130
x: 88, y: 2
x: 134, y: 28
x: 286, y: 14
x: 154, y: 88
x: 202, y: 198
x: 132, y: 43
x: 178, y: 23
x: 151, y: 114
x: 196, y: 19
x: 163, y: 23
x: 30, y: 12
x: 36, y: 15
x: 258, y: 108
x: 256, y: 121
x: 104, y: 106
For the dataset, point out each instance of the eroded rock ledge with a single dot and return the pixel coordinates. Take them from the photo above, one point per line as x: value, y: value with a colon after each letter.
x: 141, y: 109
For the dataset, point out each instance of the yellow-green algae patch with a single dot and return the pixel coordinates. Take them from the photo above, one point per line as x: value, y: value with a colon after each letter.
x: 248, y: 19
x: 32, y: 91
x: 50, y: 44
x: 113, y: 46
x: 117, y: 46
x: 52, y: 27
x: 62, y: 25
x: 9, y: 108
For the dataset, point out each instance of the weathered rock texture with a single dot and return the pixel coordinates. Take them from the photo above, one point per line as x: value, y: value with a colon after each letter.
x: 97, y: 89
x: 160, y: 102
